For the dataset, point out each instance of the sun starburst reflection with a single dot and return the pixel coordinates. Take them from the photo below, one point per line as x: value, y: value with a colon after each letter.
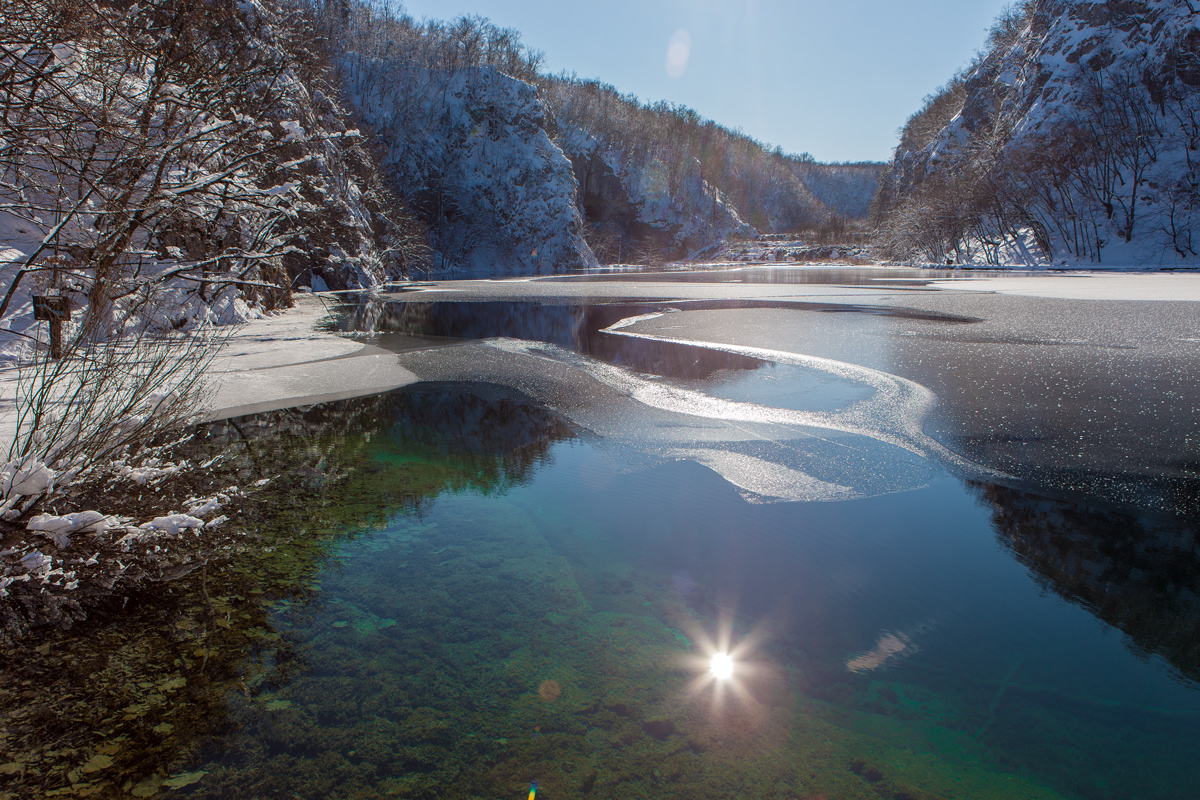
x: 721, y: 666
x: 725, y: 665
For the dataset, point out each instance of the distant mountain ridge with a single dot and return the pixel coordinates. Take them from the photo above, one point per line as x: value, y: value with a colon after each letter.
x: 1074, y: 137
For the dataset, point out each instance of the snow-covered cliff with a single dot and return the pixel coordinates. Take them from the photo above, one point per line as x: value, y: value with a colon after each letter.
x: 468, y: 149
x: 645, y: 200
x: 1075, y: 137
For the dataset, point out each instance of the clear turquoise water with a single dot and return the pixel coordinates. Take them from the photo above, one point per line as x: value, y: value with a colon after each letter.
x: 888, y: 647
x: 547, y: 612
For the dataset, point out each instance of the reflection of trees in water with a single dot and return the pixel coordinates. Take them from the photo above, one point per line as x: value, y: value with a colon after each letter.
x: 555, y: 324
x: 117, y: 704
x: 1136, y: 572
x: 438, y: 436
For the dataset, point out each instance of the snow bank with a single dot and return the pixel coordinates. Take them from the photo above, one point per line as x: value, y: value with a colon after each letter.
x: 173, y: 524
x: 24, y: 477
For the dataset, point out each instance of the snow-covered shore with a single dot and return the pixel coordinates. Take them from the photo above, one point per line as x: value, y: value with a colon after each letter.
x: 279, y: 361
x: 285, y: 361
x: 1154, y: 286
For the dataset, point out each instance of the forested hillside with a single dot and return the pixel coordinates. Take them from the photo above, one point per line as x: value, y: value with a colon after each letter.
x: 181, y: 155
x: 1073, y: 137
x: 660, y: 179
x: 514, y: 171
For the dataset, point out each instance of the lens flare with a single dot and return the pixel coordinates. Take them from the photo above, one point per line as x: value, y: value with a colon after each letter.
x: 721, y: 666
x: 679, y: 51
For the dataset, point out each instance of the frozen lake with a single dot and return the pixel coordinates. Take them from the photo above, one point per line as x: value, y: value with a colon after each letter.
x: 948, y: 537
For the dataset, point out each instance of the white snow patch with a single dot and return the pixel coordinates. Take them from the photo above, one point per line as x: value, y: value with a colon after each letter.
x: 59, y: 528
x: 173, y: 524
x: 27, y: 477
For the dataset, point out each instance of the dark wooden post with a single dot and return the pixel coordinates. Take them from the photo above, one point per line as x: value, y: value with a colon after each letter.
x: 53, y: 308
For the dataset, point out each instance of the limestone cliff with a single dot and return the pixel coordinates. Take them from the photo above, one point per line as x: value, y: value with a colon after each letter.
x: 1075, y: 136
x: 468, y: 149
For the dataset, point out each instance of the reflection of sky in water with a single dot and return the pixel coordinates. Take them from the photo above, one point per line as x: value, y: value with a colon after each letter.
x: 888, y: 648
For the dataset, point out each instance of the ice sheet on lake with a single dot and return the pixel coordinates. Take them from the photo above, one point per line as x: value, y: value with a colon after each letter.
x: 762, y: 481
x: 894, y: 414
x: 872, y: 447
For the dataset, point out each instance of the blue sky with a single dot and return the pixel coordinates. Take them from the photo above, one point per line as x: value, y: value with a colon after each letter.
x: 835, y: 78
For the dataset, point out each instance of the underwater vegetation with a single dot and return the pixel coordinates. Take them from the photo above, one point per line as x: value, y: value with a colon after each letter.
x: 449, y: 592
x: 105, y: 708
x: 458, y: 655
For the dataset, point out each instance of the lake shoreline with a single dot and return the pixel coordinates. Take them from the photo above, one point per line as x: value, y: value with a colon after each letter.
x: 291, y: 359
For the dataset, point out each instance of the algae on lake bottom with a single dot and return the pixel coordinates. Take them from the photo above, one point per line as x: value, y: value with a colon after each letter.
x: 443, y: 596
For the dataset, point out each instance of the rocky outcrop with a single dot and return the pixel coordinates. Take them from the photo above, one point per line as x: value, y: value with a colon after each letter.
x: 469, y: 151
x: 844, y: 189
x: 640, y: 209
x: 1074, y: 137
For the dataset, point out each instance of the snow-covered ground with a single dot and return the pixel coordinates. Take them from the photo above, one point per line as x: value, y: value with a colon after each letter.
x: 284, y: 361
x: 279, y: 361
x: 1183, y: 287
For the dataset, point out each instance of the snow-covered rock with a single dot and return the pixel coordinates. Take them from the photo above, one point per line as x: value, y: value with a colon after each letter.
x: 59, y: 528
x: 37, y: 563
x: 1073, y: 138
x: 147, y: 473
x: 469, y: 150
x: 681, y: 215
x: 26, y: 477
x: 173, y: 524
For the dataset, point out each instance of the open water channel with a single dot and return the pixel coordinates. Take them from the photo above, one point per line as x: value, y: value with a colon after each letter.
x: 948, y: 538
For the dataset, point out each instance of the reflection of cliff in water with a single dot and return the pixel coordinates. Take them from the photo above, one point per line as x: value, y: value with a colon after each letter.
x: 1138, y: 573
x: 125, y: 704
x: 580, y: 328
x: 572, y: 327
